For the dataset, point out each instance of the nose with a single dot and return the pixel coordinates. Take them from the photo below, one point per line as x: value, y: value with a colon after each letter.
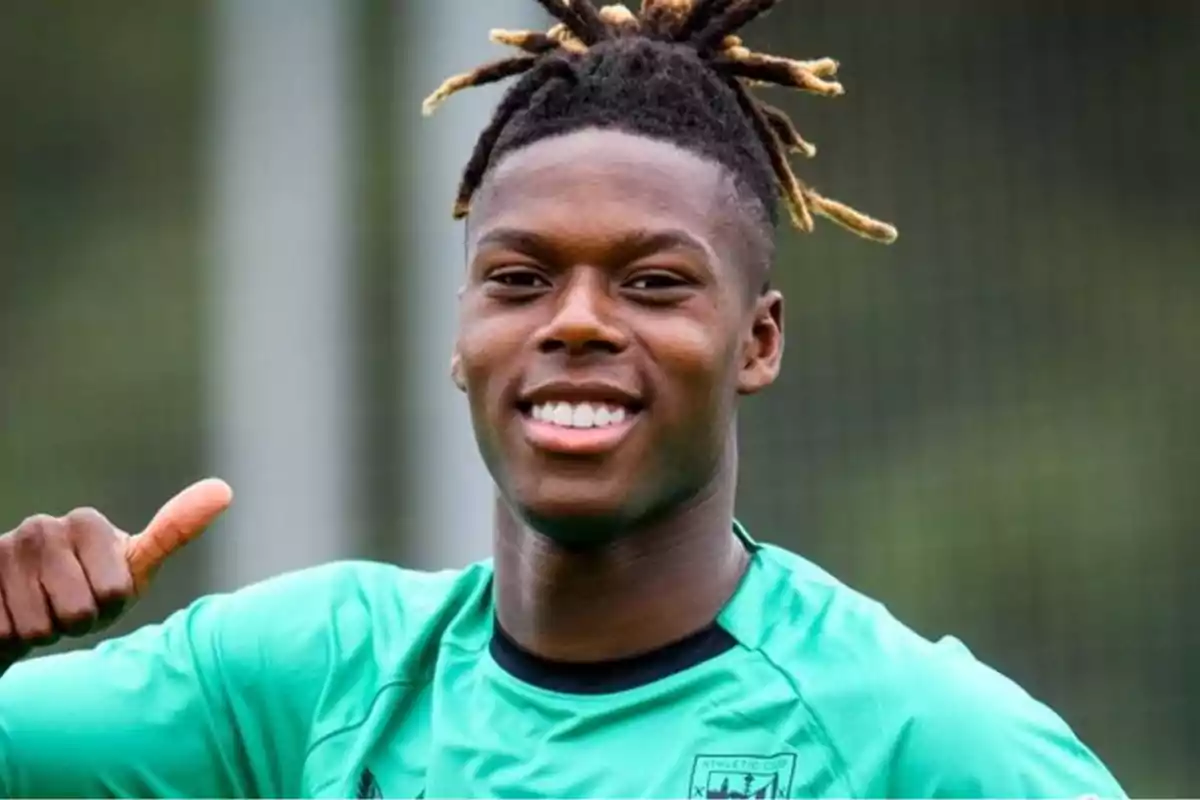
x: 583, y: 320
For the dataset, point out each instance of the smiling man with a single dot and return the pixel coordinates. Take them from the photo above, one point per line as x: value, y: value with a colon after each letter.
x: 629, y: 639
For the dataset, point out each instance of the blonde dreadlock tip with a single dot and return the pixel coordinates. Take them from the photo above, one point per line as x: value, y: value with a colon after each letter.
x: 619, y: 15
x: 822, y: 87
x: 561, y: 34
x: 801, y: 218
x: 441, y: 94
x: 504, y: 36
x: 822, y: 67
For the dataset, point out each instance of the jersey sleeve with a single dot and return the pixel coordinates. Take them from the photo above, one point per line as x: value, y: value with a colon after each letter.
x: 215, y: 702
x: 980, y: 735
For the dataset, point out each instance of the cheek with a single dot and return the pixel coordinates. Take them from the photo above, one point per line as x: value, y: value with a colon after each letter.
x: 487, y: 344
x: 697, y: 357
x: 487, y: 357
x: 489, y: 350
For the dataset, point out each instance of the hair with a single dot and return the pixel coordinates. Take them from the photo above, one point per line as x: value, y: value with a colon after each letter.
x: 675, y: 71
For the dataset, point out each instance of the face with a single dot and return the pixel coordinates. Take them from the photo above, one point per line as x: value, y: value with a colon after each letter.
x: 608, y: 326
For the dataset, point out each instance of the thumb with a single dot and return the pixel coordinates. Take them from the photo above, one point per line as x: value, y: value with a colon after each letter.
x: 184, y: 517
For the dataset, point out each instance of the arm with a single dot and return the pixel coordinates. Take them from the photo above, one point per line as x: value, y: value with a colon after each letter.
x: 135, y: 717
x: 213, y: 703
x: 172, y: 710
x: 980, y: 735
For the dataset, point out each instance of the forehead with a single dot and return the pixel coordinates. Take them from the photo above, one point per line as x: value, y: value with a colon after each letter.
x: 598, y: 184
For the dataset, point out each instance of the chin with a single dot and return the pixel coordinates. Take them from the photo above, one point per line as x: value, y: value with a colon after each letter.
x: 577, y: 516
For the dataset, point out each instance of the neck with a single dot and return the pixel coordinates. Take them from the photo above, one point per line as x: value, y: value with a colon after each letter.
x: 652, y: 586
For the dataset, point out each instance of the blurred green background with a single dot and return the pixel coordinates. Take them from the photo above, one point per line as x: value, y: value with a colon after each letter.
x: 991, y: 426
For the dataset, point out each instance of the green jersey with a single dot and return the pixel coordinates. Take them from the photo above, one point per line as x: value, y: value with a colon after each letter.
x: 362, y: 680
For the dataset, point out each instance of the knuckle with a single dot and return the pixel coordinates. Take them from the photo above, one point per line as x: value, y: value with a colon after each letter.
x: 87, y: 518
x: 37, y: 631
x: 30, y: 542
x: 18, y: 542
x: 114, y: 591
x: 35, y: 527
x: 78, y: 615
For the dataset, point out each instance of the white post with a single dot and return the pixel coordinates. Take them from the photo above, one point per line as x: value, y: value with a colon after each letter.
x: 282, y: 267
x: 451, y: 518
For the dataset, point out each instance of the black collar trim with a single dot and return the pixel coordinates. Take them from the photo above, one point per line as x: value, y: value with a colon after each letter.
x: 606, y: 677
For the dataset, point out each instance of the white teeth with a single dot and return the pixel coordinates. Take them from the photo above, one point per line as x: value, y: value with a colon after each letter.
x: 579, y: 415
x: 582, y: 416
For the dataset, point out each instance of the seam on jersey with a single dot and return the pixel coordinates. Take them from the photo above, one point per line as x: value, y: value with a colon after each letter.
x: 464, y: 649
x: 842, y: 764
x: 366, y: 716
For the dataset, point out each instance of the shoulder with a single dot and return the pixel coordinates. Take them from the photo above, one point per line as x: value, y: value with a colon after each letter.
x: 285, y: 636
x: 344, y: 605
x: 283, y: 662
x: 309, y: 650
x: 970, y: 731
x: 909, y: 716
x: 365, y: 586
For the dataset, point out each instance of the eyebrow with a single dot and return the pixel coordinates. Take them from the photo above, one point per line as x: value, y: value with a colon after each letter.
x: 629, y: 246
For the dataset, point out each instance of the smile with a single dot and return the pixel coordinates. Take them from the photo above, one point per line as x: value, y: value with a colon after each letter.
x: 579, y: 415
x: 575, y: 428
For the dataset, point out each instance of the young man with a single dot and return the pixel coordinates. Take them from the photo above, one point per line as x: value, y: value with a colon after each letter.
x: 629, y: 639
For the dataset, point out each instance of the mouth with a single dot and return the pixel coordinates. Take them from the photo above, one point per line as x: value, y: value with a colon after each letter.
x: 572, y: 427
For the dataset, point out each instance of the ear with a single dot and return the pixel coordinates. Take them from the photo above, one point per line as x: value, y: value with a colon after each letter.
x: 456, y: 371
x: 456, y: 368
x: 762, y: 349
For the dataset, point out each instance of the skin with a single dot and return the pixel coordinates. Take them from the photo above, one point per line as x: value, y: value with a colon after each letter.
x: 601, y: 257
x: 593, y: 257
x: 71, y: 575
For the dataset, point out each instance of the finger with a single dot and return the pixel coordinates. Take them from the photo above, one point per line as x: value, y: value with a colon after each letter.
x: 8, y: 632
x: 101, y: 552
x: 27, y: 606
x: 182, y: 519
x: 69, y: 594
x: 12, y: 649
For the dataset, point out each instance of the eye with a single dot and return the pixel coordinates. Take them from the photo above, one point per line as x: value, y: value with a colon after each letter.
x: 515, y: 284
x: 658, y: 287
x: 649, y: 281
x: 517, y: 278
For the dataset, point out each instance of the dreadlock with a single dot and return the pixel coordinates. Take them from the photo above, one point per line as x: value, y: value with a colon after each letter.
x: 675, y: 71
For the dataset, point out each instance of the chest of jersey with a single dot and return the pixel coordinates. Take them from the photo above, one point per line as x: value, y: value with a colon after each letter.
x: 724, y: 729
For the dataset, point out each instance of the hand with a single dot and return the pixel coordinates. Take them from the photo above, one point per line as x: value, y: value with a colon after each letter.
x: 72, y: 575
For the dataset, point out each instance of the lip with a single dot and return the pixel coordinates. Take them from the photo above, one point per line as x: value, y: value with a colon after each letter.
x: 580, y: 392
x: 561, y: 440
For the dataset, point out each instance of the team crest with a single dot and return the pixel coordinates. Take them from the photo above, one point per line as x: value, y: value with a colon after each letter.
x: 729, y: 777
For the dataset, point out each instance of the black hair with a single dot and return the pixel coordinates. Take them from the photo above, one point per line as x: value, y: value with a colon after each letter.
x: 675, y: 71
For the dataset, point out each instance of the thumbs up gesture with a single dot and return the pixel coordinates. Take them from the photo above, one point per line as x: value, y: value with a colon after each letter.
x: 71, y: 575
